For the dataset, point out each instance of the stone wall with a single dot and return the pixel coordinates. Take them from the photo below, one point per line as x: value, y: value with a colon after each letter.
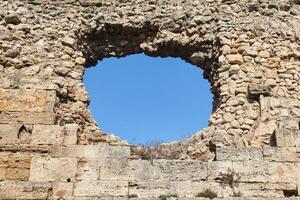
x: 51, y: 147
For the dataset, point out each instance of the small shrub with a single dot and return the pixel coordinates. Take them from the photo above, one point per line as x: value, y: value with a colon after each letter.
x: 133, y: 196
x: 166, y: 196
x: 208, y: 194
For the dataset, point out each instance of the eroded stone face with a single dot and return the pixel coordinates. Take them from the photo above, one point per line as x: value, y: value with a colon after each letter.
x: 249, y: 51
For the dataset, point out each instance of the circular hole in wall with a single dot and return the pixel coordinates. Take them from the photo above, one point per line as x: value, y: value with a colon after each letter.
x: 144, y: 99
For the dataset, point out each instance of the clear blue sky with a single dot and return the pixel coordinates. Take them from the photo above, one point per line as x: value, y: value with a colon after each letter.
x: 141, y: 98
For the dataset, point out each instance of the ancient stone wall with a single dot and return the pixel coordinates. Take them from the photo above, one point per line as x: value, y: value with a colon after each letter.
x: 51, y: 148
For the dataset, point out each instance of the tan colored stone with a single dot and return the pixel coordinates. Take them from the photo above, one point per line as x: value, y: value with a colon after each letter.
x: 26, y: 100
x: 47, y: 134
x: 53, y: 169
x: 235, y: 59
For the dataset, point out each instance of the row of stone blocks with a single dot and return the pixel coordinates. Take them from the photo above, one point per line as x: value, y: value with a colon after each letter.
x: 98, y: 171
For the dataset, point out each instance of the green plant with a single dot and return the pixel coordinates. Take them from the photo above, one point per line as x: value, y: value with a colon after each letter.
x: 237, y: 194
x: 207, y: 193
x: 166, y: 196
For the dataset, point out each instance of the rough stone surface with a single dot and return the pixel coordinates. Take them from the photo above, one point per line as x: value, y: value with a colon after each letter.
x: 51, y: 147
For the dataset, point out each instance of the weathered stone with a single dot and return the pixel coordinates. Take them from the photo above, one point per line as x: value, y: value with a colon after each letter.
x: 235, y: 59
x: 27, y: 117
x: 12, y: 19
x: 26, y: 100
x: 71, y: 134
x: 223, y: 154
x: 8, y: 134
x: 45, y: 134
x: 24, y: 190
x: 101, y: 188
x: 68, y: 41
x: 53, y: 169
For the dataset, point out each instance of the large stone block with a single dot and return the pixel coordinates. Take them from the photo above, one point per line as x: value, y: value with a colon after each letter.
x: 179, y: 170
x: 24, y: 190
x: 9, y: 133
x: 26, y: 82
x: 62, y: 190
x: 103, y: 150
x: 53, y: 169
x: 284, y: 154
x: 26, y: 100
x: 265, y: 172
x: 71, y: 135
x: 18, y: 168
x: 101, y: 188
x: 235, y: 154
x: 217, y: 169
x: 151, y: 189
x: 264, y: 190
x: 27, y: 117
x: 192, y: 188
x: 47, y: 134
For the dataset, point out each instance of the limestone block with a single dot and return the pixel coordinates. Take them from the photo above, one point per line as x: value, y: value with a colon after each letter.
x: 264, y: 190
x: 286, y: 137
x: 71, y: 131
x: 47, y: 134
x: 53, y: 169
x: 18, y: 168
x: 26, y: 100
x: 62, y: 190
x: 24, y: 190
x: 102, y: 150
x: 27, y: 117
x: 150, y: 189
x: 26, y: 82
x: 284, y: 154
x: 191, y: 188
x: 216, y: 169
x: 82, y: 151
x: 101, y: 188
x: 119, y: 151
x: 176, y: 170
x: 223, y: 154
x: 115, y: 169
x: 264, y: 171
x: 8, y: 133
x: 3, y: 165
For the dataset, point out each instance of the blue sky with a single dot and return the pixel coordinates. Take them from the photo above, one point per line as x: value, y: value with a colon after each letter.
x: 141, y: 98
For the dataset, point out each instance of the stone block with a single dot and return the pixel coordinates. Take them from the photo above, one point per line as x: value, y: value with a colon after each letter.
x: 26, y: 82
x: 53, y: 169
x: 62, y: 190
x: 47, y: 134
x: 24, y: 190
x: 216, y: 169
x: 179, y: 170
x: 223, y: 154
x: 151, y: 189
x: 8, y: 133
x: 17, y: 168
x: 103, y: 150
x: 286, y: 137
x: 26, y: 100
x: 192, y: 188
x: 101, y: 188
x: 71, y: 131
x: 265, y: 172
x: 27, y: 117
x: 82, y: 151
x: 264, y: 190
x: 284, y: 154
